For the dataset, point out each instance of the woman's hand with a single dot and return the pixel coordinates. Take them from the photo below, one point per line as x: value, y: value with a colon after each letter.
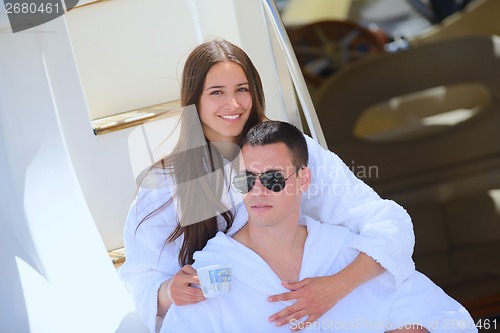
x: 181, y: 291
x: 315, y: 296
x: 178, y: 290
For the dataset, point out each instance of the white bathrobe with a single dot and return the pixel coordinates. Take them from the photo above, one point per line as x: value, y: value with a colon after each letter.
x: 372, y: 307
x: 335, y: 196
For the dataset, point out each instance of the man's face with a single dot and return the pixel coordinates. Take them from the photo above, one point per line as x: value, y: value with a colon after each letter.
x: 265, y: 207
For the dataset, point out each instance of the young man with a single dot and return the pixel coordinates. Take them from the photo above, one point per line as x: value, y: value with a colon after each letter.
x: 277, y: 244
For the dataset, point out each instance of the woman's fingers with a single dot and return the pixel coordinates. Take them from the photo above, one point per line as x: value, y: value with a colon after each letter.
x: 181, y: 290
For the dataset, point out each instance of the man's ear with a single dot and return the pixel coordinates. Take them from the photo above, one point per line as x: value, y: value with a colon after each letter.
x: 305, y: 178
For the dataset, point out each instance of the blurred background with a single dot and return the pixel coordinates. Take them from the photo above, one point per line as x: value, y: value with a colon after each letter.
x: 407, y: 94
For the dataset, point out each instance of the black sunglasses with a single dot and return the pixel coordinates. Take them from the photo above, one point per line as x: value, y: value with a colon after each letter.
x: 273, y: 180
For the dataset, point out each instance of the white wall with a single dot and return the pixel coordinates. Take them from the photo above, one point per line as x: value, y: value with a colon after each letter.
x: 130, y: 52
x: 56, y: 275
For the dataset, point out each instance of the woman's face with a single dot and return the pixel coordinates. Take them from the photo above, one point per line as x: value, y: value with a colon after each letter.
x: 225, y: 103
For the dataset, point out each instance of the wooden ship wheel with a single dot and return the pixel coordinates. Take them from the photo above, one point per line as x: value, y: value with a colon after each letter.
x: 324, y: 47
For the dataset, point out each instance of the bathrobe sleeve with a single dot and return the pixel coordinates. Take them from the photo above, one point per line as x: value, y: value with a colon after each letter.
x: 149, y: 259
x: 203, y: 317
x: 337, y: 196
x: 422, y: 302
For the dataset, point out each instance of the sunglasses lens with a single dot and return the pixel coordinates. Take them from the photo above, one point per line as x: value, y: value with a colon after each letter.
x: 273, y: 181
x: 243, y: 182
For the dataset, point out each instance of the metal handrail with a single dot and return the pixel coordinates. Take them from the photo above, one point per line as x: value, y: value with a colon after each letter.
x: 296, y: 74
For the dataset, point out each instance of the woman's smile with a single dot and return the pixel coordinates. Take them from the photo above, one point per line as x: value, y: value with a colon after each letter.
x: 226, y: 102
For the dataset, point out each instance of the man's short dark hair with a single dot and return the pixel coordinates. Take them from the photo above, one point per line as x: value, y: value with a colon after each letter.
x: 269, y: 132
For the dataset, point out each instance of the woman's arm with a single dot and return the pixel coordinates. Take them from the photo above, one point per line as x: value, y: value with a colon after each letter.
x: 315, y: 296
x: 164, y: 298
x: 149, y: 260
x: 337, y: 196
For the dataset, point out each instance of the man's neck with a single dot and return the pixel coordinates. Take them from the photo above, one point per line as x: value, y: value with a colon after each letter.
x: 280, y: 246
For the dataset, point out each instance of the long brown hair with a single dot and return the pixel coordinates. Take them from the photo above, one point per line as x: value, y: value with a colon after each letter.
x: 197, y: 168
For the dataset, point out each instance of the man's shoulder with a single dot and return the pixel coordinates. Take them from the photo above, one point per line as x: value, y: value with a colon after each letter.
x: 220, y: 240
x: 316, y: 227
x: 327, y: 249
x: 218, y: 250
x: 336, y: 238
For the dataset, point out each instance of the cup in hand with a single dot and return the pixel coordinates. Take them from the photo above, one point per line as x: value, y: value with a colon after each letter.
x: 215, y: 279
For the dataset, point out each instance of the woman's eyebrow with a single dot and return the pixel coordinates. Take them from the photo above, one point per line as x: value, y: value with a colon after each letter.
x: 222, y: 86
x: 214, y: 87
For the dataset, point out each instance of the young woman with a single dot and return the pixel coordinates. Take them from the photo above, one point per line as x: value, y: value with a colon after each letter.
x: 186, y: 198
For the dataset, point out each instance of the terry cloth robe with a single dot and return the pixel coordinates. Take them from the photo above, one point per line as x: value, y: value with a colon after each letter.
x: 335, y: 196
x: 372, y: 307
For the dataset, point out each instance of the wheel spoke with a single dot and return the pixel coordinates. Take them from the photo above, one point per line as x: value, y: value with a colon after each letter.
x: 349, y: 38
x: 323, y: 37
x: 308, y: 50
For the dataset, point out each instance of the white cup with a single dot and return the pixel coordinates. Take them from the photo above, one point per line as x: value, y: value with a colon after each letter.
x: 215, y: 279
